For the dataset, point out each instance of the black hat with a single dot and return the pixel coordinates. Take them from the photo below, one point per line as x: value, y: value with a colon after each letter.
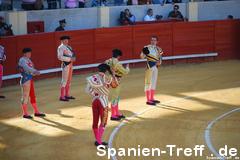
x: 25, y: 50
x: 176, y: 6
x: 62, y: 21
x: 116, y: 53
x: 64, y: 37
x: 145, y: 51
x: 104, y: 67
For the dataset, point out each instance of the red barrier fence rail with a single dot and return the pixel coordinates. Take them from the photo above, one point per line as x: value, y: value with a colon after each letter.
x: 95, y: 45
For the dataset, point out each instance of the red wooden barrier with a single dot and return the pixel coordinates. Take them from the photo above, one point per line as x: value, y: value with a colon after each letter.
x: 193, y: 37
x: 107, y: 39
x: 95, y: 45
x: 238, y: 40
x: 35, y: 27
x: 82, y: 42
x: 226, y: 39
x: 10, y: 45
x: 143, y: 33
x: 43, y: 49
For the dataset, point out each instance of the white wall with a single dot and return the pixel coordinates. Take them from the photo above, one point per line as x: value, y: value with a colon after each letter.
x: 81, y: 18
x: 218, y: 10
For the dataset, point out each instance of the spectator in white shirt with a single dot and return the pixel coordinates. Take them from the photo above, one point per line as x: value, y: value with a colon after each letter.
x: 149, y: 16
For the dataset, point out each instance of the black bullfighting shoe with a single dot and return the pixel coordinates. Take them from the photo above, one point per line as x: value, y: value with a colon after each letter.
x: 27, y: 117
x: 156, y: 101
x: 70, y: 97
x: 63, y: 99
x: 39, y: 115
x: 150, y: 103
x: 121, y: 116
x: 115, y: 118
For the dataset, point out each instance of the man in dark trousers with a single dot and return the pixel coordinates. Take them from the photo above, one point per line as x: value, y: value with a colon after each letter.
x: 62, y: 24
x: 175, y: 14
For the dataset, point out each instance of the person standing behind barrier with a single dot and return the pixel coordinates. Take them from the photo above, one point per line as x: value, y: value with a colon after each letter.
x: 62, y: 24
x: 2, y: 59
x: 27, y: 70
x: 119, y: 71
x: 153, y: 54
x: 67, y: 56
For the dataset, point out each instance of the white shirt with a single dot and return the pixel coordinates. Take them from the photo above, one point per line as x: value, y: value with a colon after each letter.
x: 64, y: 53
x: 98, y: 88
x: 149, y: 18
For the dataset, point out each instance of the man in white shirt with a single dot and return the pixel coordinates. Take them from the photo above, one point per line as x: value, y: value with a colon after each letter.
x: 149, y: 16
x: 67, y: 57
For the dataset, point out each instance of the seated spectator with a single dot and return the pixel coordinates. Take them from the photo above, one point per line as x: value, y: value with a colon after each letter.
x: 52, y: 4
x: 62, y: 24
x: 149, y: 16
x: 32, y: 4
x: 71, y: 4
x: 5, y: 5
x: 126, y: 17
x: 81, y: 3
x: 175, y: 14
x: 229, y: 17
x: 5, y: 29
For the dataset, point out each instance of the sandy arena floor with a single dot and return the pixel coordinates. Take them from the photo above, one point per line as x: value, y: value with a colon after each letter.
x: 192, y: 95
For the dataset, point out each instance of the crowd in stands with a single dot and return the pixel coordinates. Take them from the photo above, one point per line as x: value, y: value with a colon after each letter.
x: 5, y: 5
x: 127, y: 18
x: 54, y: 4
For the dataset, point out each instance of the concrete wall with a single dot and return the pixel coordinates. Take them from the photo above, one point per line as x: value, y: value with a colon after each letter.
x: 84, y: 18
x: 218, y: 10
x: 81, y: 18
